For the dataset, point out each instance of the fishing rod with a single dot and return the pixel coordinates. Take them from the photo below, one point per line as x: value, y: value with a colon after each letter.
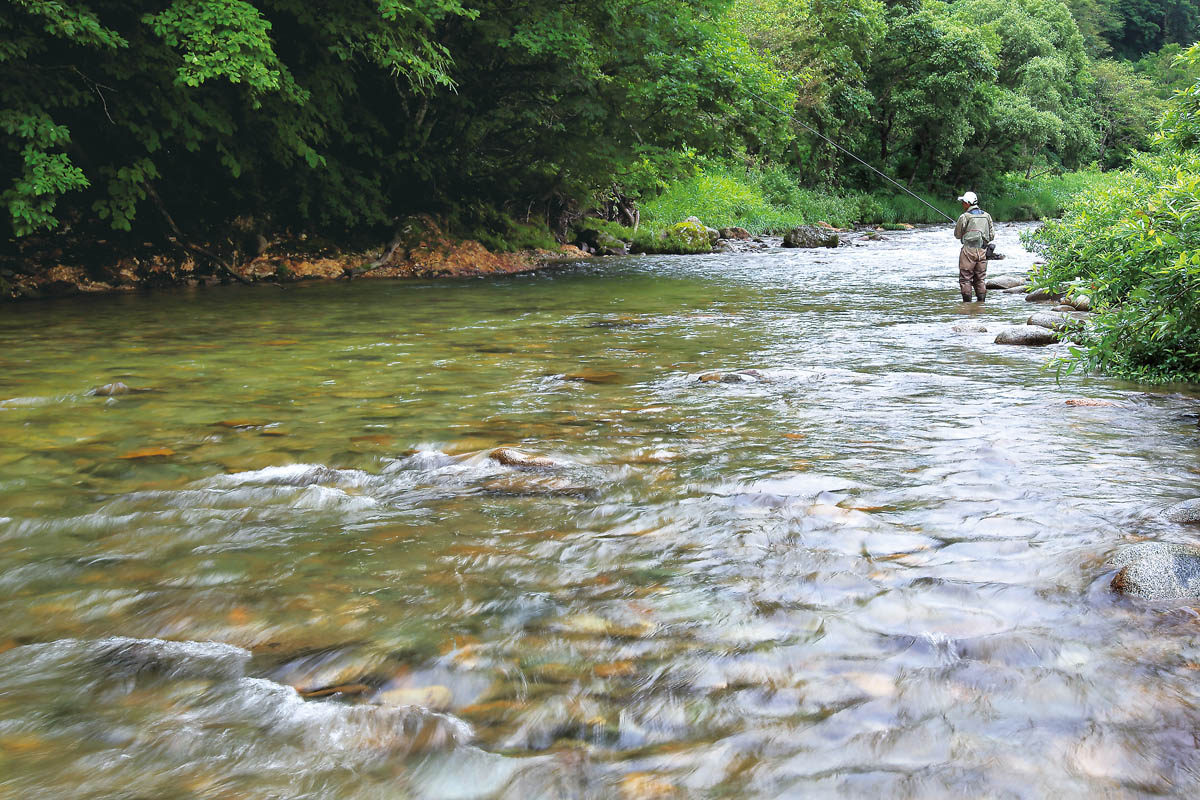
x: 815, y: 132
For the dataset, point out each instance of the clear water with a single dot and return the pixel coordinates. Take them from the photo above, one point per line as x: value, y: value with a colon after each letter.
x: 877, y: 571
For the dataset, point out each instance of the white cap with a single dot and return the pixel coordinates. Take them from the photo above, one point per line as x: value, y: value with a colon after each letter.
x: 969, y: 197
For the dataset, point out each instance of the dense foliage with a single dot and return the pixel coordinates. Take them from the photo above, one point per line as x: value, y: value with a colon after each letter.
x: 1135, y: 249
x: 216, y: 115
x: 219, y: 124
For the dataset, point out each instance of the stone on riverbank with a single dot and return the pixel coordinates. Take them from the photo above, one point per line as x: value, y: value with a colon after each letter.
x: 1158, y: 571
x: 811, y: 236
x: 1187, y: 512
x: 602, y: 243
x: 1005, y: 282
x: 1028, y: 335
x: 735, y: 232
x: 691, y: 233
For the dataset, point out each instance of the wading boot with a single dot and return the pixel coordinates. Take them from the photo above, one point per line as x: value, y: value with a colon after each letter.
x: 966, y: 298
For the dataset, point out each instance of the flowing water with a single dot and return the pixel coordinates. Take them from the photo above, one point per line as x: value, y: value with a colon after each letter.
x: 874, y: 568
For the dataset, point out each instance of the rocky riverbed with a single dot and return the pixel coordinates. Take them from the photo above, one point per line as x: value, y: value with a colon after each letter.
x: 770, y: 524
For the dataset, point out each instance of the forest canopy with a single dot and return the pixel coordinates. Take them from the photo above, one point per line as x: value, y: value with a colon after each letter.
x: 201, y: 118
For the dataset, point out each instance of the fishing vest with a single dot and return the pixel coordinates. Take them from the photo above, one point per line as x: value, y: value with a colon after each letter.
x: 975, y: 228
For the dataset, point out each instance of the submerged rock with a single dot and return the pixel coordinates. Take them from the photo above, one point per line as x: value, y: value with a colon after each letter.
x: 811, y: 236
x: 1158, y: 571
x: 1187, y: 512
x: 1005, y: 282
x: 110, y: 390
x: 970, y: 327
x: 740, y: 376
x: 434, y: 698
x: 512, y: 457
x: 1028, y: 335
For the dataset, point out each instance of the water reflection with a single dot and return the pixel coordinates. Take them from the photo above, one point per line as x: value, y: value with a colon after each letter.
x: 874, y: 564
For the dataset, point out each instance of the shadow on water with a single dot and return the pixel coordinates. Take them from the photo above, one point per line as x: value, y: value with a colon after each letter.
x: 798, y: 537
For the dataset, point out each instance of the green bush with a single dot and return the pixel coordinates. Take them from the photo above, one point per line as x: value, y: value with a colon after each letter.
x: 1134, y: 248
x: 1133, y: 244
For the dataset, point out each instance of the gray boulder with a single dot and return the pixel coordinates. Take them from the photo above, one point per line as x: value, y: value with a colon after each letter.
x: 1042, y: 296
x: 1158, y: 571
x: 1080, y: 302
x: 1052, y: 321
x: 1187, y: 512
x: 811, y: 236
x: 1005, y: 282
x: 1028, y: 335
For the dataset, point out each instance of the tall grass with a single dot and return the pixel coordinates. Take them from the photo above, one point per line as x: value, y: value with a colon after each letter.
x: 772, y: 201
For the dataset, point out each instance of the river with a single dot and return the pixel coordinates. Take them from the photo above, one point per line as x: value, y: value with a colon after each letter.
x: 876, y: 568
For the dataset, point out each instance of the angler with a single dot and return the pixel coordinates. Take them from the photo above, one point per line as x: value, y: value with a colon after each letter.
x: 976, y: 231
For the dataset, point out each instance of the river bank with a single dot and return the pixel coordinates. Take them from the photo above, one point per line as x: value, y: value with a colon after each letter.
x: 426, y: 252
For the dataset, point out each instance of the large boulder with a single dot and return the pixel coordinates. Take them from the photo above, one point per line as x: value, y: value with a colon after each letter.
x: 1005, y: 282
x: 1028, y: 335
x: 1158, y: 571
x: 1053, y: 321
x: 1187, y: 512
x: 811, y: 236
x: 692, y: 234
